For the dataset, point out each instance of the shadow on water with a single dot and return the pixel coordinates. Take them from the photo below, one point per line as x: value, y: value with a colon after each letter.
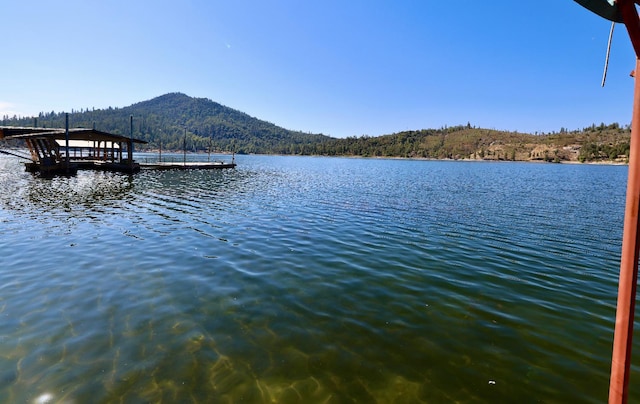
x: 84, y: 192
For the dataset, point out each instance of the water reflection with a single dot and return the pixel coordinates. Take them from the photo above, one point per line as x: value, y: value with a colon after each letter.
x: 88, y: 190
x: 95, y: 192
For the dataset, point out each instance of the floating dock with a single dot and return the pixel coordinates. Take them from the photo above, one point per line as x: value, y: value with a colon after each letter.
x: 65, y: 151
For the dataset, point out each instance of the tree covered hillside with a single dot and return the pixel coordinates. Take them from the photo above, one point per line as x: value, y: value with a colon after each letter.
x: 164, y: 120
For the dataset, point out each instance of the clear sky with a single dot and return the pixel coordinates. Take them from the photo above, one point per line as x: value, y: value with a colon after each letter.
x: 338, y: 67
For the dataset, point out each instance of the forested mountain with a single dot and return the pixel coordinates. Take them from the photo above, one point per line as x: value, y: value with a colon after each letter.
x: 163, y: 121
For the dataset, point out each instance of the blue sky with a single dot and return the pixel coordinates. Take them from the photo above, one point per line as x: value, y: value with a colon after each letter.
x: 342, y: 68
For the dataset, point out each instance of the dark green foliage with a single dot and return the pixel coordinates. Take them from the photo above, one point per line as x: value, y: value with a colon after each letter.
x: 596, y: 152
x: 163, y: 120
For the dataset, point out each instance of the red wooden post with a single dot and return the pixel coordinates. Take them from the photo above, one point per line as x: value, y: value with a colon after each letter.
x: 628, y: 281
x: 623, y: 336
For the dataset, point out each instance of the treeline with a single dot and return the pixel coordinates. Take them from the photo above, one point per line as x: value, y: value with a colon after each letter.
x: 174, y: 120
x: 458, y: 142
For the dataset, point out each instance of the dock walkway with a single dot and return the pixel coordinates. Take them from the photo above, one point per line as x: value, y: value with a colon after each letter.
x: 193, y: 165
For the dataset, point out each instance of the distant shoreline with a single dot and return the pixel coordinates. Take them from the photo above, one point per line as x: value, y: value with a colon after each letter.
x: 599, y: 162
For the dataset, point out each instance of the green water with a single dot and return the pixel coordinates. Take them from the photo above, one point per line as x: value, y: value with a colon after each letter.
x: 300, y: 279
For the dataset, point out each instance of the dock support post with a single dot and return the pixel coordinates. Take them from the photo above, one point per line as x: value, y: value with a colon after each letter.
x: 627, y: 284
x: 66, y: 141
x: 130, y: 145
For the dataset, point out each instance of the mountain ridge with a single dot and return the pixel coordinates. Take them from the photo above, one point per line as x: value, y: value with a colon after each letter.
x: 170, y: 118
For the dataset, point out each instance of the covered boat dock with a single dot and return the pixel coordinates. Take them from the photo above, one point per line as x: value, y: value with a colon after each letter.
x: 64, y: 151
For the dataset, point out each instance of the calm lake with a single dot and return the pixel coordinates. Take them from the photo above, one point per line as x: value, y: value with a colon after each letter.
x: 312, y: 280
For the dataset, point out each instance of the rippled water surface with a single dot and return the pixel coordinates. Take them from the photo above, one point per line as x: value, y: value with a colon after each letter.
x: 301, y: 279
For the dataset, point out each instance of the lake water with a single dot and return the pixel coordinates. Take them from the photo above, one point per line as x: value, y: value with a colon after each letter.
x: 302, y: 279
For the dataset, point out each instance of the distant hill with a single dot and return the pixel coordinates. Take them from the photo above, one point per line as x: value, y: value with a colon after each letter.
x: 163, y: 121
x: 595, y: 143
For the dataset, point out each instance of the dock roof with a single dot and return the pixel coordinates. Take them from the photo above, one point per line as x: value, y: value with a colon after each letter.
x: 12, y: 132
